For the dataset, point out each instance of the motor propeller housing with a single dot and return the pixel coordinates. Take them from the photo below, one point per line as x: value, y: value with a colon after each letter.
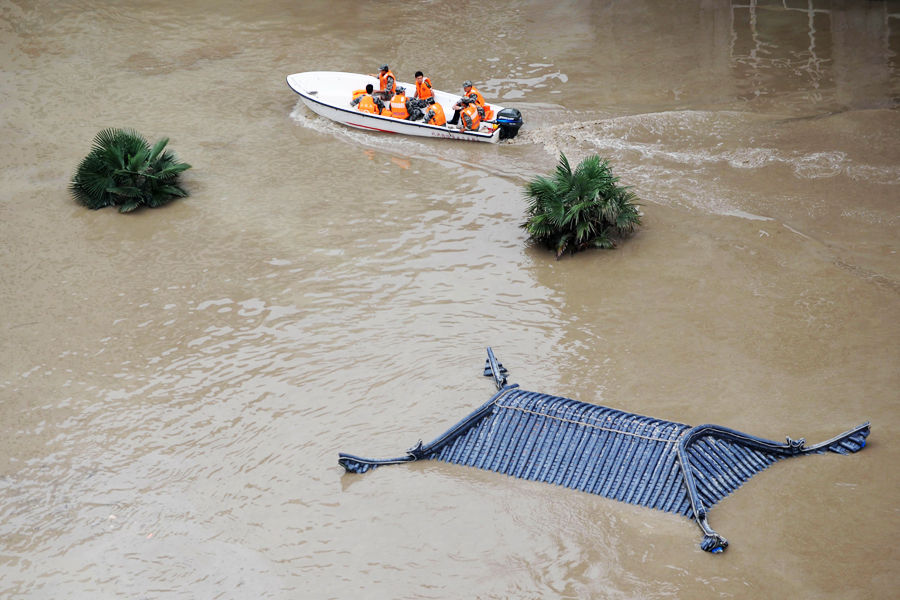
x: 509, y: 120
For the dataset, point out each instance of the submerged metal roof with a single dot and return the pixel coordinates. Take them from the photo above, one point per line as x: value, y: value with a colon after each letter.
x: 641, y: 460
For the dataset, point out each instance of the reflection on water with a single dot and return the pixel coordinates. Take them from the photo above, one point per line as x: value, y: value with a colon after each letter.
x: 176, y: 384
x: 848, y: 58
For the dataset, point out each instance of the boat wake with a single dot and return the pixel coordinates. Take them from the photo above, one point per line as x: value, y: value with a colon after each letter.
x: 696, y: 138
x: 708, y: 154
x: 691, y: 158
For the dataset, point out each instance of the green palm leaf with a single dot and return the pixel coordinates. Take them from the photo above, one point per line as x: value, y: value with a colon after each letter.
x: 128, y: 192
x: 157, y: 149
x: 169, y: 171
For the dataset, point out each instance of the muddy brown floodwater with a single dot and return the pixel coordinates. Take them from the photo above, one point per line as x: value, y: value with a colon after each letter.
x: 176, y: 384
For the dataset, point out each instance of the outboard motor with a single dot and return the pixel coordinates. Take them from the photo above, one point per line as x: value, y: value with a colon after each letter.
x: 509, y: 120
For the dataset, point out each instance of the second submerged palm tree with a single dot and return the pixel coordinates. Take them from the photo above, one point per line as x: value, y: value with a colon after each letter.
x: 584, y: 208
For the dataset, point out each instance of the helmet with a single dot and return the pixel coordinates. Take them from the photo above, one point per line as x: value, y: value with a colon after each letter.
x: 400, y: 88
x: 384, y: 68
x: 429, y: 100
x: 467, y: 83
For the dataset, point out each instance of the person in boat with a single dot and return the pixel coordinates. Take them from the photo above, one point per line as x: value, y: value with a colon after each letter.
x: 387, y: 83
x: 367, y: 102
x: 484, y: 108
x: 469, y: 116
x: 434, y: 113
x: 403, y: 107
x: 470, y: 93
x: 423, y: 87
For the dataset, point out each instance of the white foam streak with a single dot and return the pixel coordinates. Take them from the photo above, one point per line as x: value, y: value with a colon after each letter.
x: 696, y: 145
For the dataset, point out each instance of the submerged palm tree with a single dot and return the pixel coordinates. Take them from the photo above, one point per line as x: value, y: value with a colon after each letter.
x: 123, y: 170
x: 584, y: 208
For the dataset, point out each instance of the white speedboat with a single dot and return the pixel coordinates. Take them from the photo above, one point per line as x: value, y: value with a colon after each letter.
x: 328, y: 93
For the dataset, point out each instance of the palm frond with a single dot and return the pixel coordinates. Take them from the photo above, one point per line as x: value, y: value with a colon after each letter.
x: 562, y: 242
x: 157, y: 149
x: 138, y: 161
x: 170, y: 171
x: 128, y: 192
x: 563, y: 169
x: 173, y: 190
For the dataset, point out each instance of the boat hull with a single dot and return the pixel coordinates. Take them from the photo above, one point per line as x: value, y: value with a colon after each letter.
x: 328, y: 93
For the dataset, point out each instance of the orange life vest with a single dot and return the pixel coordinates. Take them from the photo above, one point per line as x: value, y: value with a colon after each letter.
x: 383, y: 80
x: 386, y: 112
x: 358, y: 93
x: 398, y: 107
x: 435, y: 115
x: 488, y: 112
x: 479, y: 99
x: 474, y: 119
x: 423, y: 90
x: 367, y: 104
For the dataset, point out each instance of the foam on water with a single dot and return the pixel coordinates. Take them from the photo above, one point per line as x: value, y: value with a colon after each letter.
x: 709, y: 147
x: 874, y: 174
x: 819, y: 164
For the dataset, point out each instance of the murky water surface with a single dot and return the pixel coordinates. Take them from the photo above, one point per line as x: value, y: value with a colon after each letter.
x: 175, y: 384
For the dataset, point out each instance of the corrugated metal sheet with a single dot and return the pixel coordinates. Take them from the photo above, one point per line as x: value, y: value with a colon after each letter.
x: 641, y: 460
